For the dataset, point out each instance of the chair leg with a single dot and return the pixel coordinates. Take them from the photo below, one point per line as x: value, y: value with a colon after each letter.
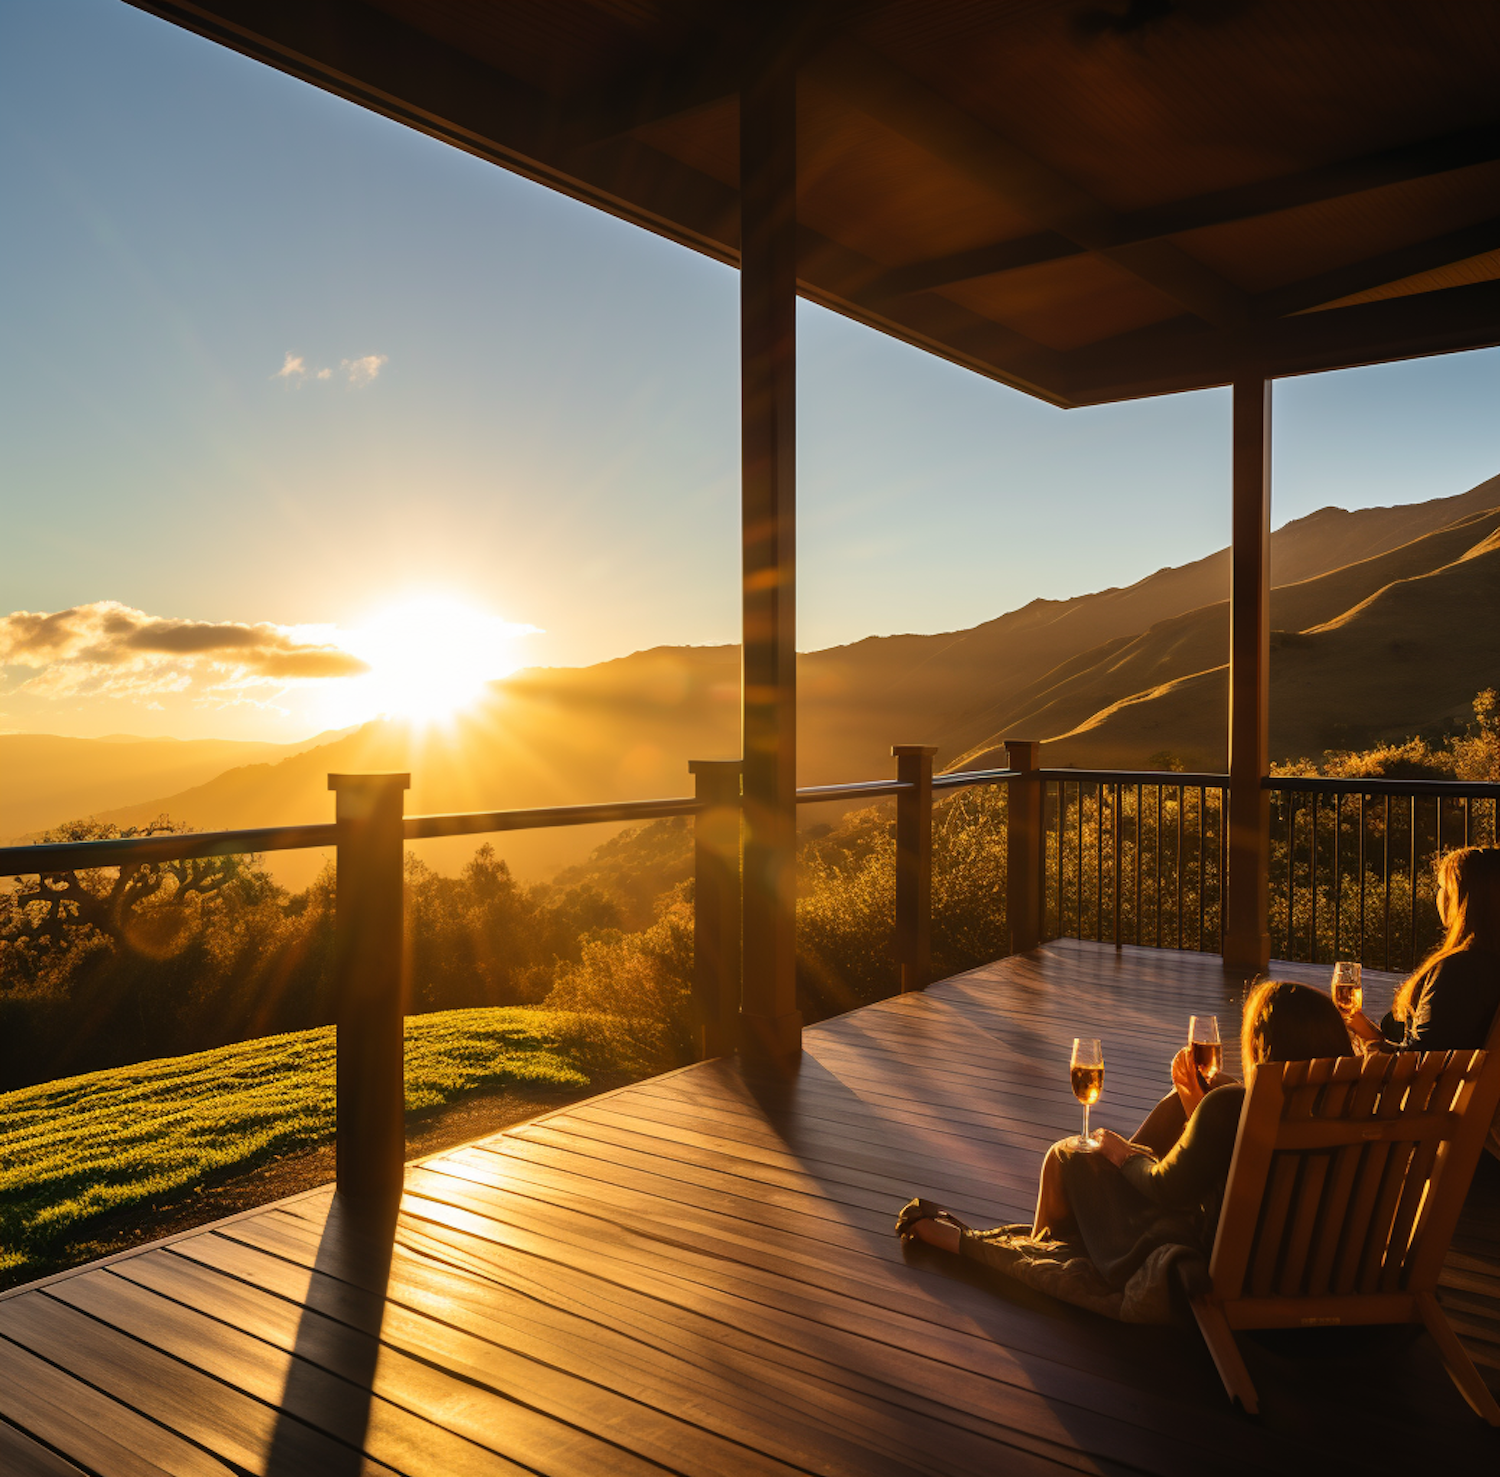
x: 1219, y: 1337
x: 1456, y: 1358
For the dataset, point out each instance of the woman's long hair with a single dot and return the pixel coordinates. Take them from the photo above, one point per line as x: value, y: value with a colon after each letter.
x: 1287, y: 1022
x: 1468, y: 881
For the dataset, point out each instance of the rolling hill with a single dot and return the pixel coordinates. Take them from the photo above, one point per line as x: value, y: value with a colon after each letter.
x: 1385, y: 623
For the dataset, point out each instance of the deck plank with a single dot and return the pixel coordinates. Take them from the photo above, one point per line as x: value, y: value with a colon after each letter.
x: 697, y: 1274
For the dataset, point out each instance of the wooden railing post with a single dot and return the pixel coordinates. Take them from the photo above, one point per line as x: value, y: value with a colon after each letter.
x: 369, y: 985
x: 914, y: 865
x: 716, y: 906
x: 1024, y: 841
x: 1247, y: 931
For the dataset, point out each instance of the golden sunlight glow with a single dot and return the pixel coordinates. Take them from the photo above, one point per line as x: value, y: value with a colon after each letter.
x: 428, y: 658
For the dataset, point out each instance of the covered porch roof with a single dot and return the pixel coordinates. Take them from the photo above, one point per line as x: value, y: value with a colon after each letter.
x: 1089, y: 200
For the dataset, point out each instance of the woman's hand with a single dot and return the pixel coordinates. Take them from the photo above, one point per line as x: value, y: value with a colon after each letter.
x: 1187, y: 1082
x: 1362, y: 1026
x: 1116, y: 1149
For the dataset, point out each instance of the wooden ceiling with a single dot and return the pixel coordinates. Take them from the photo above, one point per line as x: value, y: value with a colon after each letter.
x: 1088, y: 199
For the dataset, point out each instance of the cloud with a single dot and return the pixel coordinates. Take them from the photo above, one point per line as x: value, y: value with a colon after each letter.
x: 109, y: 649
x: 362, y: 371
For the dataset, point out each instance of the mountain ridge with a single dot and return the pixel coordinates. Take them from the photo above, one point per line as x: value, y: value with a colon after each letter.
x: 1111, y: 678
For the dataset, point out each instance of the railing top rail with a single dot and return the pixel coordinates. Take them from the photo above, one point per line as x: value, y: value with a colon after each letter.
x: 956, y: 779
x: 129, y: 851
x: 1169, y: 777
x: 858, y: 790
x: 473, y: 823
x: 1331, y: 785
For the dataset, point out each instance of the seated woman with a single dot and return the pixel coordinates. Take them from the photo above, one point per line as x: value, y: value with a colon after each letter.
x: 1129, y: 1198
x: 1450, y: 1000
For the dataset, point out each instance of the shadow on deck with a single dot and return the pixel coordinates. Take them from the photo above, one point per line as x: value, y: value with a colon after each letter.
x: 697, y: 1273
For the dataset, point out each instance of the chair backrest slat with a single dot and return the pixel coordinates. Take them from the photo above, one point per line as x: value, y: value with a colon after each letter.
x: 1365, y: 1078
x: 1307, y: 1207
x: 1425, y: 1173
x: 1409, y: 1099
x: 1393, y: 1072
x: 1248, y: 1168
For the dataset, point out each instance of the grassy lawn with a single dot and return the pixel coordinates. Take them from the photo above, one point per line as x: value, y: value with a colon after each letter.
x: 80, y: 1150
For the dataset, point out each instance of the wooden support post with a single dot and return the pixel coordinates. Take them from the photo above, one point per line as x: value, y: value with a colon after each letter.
x: 716, y: 906
x: 1024, y: 841
x: 369, y: 985
x: 914, y: 865
x: 770, y: 1025
x: 1247, y: 937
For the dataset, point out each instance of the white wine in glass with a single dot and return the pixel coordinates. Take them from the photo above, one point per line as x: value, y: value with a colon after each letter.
x: 1086, y: 1072
x: 1348, y: 993
x: 1205, y: 1048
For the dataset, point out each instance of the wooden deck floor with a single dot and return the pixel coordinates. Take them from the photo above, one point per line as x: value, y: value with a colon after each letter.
x: 697, y: 1274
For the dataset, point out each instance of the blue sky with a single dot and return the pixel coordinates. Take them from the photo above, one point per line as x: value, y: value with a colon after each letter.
x: 550, y: 432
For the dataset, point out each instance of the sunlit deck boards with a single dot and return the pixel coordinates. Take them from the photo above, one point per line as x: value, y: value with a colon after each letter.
x: 698, y: 1275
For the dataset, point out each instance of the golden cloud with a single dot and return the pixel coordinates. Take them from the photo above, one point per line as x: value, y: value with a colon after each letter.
x: 107, y: 648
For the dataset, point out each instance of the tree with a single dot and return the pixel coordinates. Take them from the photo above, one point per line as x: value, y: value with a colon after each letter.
x: 55, y: 910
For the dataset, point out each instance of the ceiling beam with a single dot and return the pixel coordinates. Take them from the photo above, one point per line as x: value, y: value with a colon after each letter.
x: 1380, y: 271
x: 1168, y: 358
x: 867, y: 81
x: 1452, y: 151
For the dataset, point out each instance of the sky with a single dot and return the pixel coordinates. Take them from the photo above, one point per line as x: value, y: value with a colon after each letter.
x: 276, y: 368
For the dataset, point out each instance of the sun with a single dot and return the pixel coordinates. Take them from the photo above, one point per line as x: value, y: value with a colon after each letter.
x: 431, y: 657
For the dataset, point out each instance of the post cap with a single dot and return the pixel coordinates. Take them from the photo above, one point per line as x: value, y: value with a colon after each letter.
x: 897, y: 750
x: 382, y: 777
x: 1023, y: 753
x: 715, y: 766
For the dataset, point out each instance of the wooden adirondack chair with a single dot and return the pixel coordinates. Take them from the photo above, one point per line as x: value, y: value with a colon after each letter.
x: 1347, y: 1180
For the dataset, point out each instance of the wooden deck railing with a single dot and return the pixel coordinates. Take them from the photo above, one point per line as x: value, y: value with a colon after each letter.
x: 1112, y: 855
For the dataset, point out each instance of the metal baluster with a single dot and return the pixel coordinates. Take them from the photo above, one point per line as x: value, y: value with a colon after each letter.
x: 1181, y: 798
x: 1098, y: 862
x: 1290, y: 800
x: 1312, y: 873
x: 1412, y: 922
x: 1338, y: 877
x: 1137, y: 854
x: 1156, y: 936
x: 1468, y: 807
x: 1062, y: 810
x: 1361, y: 879
x: 1080, y: 858
x: 1114, y: 837
x: 1201, y: 792
x: 1385, y: 858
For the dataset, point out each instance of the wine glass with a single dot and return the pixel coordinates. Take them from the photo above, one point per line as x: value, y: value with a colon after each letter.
x: 1205, y: 1048
x: 1086, y: 1072
x: 1348, y: 993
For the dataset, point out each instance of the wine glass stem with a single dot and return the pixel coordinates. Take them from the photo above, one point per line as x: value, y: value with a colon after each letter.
x: 1085, y: 1123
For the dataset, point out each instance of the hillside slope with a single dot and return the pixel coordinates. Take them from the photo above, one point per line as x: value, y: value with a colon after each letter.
x: 1119, y: 677
x: 1409, y: 656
